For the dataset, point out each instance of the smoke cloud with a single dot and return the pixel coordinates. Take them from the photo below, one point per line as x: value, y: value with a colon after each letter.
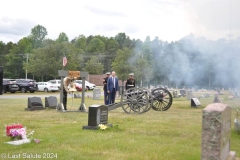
x: 195, y: 62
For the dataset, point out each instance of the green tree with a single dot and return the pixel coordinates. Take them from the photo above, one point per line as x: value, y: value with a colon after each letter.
x: 38, y: 34
x: 2, y: 53
x: 121, y: 65
x: 147, y: 49
x: 14, y: 60
x: 143, y: 71
x: 123, y: 41
x: 111, y: 47
x: 81, y: 42
x: 110, y: 53
x: 93, y: 66
x: 46, y: 61
x: 4, y: 60
x: 62, y: 37
x: 96, y: 46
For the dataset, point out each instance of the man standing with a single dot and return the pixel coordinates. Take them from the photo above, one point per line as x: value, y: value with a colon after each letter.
x: 66, y: 82
x: 112, y: 87
x: 130, y: 82
x: 105, y: 80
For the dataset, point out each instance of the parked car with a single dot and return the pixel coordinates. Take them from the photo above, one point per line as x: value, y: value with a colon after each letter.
x: 10, y: 85
x: 26, y: 85
x: 47, y: 86
x: 56, y: 81
x: 88, y: 85
x: 78, y: 87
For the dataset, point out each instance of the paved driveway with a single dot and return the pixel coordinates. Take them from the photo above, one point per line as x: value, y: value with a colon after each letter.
x: 40, y: 94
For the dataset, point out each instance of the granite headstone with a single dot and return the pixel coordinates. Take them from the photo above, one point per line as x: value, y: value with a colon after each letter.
x: 175, y: 94
x: 51, y: 102
x: 34, y: 103
x: 195, y: 102
x: 189, y: 94
x: 96, y: 93
x: 97, y: 114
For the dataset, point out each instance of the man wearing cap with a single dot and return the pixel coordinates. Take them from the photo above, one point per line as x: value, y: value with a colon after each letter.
x: 130, y: 82
x: 105, y: 88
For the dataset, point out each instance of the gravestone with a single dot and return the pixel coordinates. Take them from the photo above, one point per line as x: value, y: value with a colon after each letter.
x: 195, y: 102
x: 189, y: 95
x: 183, y: 92
x: 51, y: 102
x: 206, y: 95
x: 216, y: 99
x: 216, y: 132
x: 34, y: 103
x: 96, y: 93
x: 237, y: 124
x: 77, y: 96
x: 175, y: 94
x: 97, y: 114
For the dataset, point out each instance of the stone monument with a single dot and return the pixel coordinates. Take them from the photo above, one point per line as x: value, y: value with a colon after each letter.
x: 195, y: 102
x: 237, y: 124
x: 216, y: 132
x: 189, y: 94
x: 97, y: 114
x: 183, y: 92
x: 216, y: 99
x: 96, y: 93
x: 34, y: 103
x: 175, y: 94
x: 51, y: 102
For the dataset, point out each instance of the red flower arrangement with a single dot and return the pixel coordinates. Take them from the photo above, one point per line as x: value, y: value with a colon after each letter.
x: 12, y: 127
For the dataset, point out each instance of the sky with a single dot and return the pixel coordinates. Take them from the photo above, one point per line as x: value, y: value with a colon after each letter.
x: 169, y: 20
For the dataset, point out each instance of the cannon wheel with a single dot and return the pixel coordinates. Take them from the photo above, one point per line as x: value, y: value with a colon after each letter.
x: 135, y: 100
x: 161, y: 99
x: 149, y: 106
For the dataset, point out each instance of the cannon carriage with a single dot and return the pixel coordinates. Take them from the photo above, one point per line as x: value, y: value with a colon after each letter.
x: 141, y: 100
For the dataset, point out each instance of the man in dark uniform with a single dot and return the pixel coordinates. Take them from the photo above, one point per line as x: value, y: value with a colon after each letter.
x: 130, y: 82
x: 105, y: 88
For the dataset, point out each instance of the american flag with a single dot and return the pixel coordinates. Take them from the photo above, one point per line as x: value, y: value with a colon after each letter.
x: 64, y: 61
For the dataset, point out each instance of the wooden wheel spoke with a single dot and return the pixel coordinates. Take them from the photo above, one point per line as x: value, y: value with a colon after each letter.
x: 162, y: 99
x: 137, y: 99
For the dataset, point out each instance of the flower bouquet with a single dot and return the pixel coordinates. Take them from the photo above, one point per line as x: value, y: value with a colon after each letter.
x: 102, y: 127
x: 17, y: 134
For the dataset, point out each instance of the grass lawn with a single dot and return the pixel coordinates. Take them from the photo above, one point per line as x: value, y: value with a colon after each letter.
x: 174, y: 134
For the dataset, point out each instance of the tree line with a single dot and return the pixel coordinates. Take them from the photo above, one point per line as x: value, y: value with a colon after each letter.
x: 191, y: 61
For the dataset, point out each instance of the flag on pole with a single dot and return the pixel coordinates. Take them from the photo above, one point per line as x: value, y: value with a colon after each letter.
x: 64, y: 61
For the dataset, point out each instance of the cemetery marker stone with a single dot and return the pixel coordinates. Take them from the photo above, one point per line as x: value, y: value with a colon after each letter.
x: 216, y: 132
x: 97, y: 114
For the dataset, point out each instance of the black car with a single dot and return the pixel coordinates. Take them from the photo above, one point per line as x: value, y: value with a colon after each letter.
x: 9, y: 85
x: 26, y: 85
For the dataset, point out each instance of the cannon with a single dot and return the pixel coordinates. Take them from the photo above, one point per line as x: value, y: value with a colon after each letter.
x: 141, y: 100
